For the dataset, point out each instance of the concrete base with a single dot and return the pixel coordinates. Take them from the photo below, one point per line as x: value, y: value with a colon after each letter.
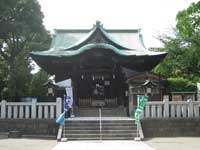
x: 4, y: 135
x: 171, y: 127
x: 64, y: 140
x: 14, y: 134
x: 137, y: 139
x: 102, y: 145
x: 29, y: 126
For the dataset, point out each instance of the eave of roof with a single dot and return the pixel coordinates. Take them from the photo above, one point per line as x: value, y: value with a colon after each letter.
x: 121, y: 52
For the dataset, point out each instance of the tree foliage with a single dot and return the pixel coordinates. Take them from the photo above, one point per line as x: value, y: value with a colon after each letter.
x: 21, y: 32
x: 37, y: 89
x: 182, y: 65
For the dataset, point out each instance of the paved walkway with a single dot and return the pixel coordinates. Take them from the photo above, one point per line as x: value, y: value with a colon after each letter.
x: 102, y: 145
x: 26, y: 144
x: 175, y: 143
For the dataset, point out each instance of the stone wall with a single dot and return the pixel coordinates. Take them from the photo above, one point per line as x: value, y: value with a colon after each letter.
x: 151, y: 127
x: 46, y: 127
x: 171, y: 127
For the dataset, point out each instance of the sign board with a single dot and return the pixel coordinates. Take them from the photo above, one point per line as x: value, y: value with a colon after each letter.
x: 98, y: 103
x: 177, y: 98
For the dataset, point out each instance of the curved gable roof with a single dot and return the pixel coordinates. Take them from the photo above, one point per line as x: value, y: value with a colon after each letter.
x: 118, y: 41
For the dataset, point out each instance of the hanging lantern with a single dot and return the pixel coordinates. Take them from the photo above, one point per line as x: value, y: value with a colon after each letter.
x: 113, y: 76
x: 102, y: 77
x: 50, y: 91
x: 82, y: 76
x: 92, y: 77
x: 148, y: 90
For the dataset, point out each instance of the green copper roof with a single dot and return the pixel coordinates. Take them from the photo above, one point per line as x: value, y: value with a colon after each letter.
x: 68, y: 53
x: 97, y: 38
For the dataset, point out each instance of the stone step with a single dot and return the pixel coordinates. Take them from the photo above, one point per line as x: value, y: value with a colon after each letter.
x: 106, y: 112
x: 106, y: 119
x: 103, y: 128
x: 102, y: 135
x: 97, y: 123
x: 103, y: 138
x: 88, y: 128
x: 98, y: 131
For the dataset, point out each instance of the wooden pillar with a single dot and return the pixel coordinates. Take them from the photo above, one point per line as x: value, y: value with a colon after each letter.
x: 130, y: 102
x: 74, y: 78
x: 120, y: 85
x: 75, y: 94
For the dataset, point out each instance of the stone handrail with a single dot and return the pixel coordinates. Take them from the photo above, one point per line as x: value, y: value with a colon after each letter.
x: 171, y: 109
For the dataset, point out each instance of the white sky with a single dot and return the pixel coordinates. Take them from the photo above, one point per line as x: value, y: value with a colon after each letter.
x: 152, y: 16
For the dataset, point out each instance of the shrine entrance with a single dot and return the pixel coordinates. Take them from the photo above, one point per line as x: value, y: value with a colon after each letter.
x: 101, y: 90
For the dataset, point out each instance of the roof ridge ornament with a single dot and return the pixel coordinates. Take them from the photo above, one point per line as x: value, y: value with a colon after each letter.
x: 98, y: 24
x: 141, y: 38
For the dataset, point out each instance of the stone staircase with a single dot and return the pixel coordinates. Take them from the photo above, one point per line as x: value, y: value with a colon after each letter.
x: 88, y: 128
x: 106, y: 112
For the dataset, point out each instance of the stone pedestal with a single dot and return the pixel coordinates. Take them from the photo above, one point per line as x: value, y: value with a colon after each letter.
x: 14, y: 134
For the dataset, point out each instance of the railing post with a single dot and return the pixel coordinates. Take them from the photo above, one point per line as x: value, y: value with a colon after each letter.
x: 190, y: 109
x: 58, y: 106
x: 3, y: 109
x: 166, y: 106
x: 33, y: 109
x: 147, y: 111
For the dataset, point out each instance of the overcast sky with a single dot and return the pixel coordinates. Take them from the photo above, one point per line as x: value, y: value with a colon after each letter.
x: 154, y: 17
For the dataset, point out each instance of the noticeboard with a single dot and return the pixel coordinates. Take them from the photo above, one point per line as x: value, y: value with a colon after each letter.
x: 177, y: 98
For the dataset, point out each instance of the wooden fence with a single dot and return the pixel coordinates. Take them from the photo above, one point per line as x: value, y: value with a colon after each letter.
x: 171, y: 109
x: 30, y: 110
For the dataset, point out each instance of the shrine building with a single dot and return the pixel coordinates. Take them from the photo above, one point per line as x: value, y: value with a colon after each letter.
x: 101, y: 63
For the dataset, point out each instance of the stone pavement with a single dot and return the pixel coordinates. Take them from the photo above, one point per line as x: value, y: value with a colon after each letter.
x: 172, y: 143
x: 26, y: 144
x: 102, y: 145
x: 175, y: 143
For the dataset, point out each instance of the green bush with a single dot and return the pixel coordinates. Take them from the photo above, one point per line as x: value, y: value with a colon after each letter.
x: 181, y: 84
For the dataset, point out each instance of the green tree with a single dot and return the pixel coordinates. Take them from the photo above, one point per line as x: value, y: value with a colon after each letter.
x: 37, y: 88
x: 21, y: 32
x: 182, y: 65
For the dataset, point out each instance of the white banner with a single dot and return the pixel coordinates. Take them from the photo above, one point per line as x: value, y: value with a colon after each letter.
x: 67, y: 84
x: 69, y: 93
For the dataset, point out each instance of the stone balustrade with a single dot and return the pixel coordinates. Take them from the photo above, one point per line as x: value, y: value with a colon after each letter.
x: 30, y: 110
x: 171, y: 109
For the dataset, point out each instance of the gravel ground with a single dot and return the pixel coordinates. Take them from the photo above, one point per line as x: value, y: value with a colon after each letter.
x: 175, y: 143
